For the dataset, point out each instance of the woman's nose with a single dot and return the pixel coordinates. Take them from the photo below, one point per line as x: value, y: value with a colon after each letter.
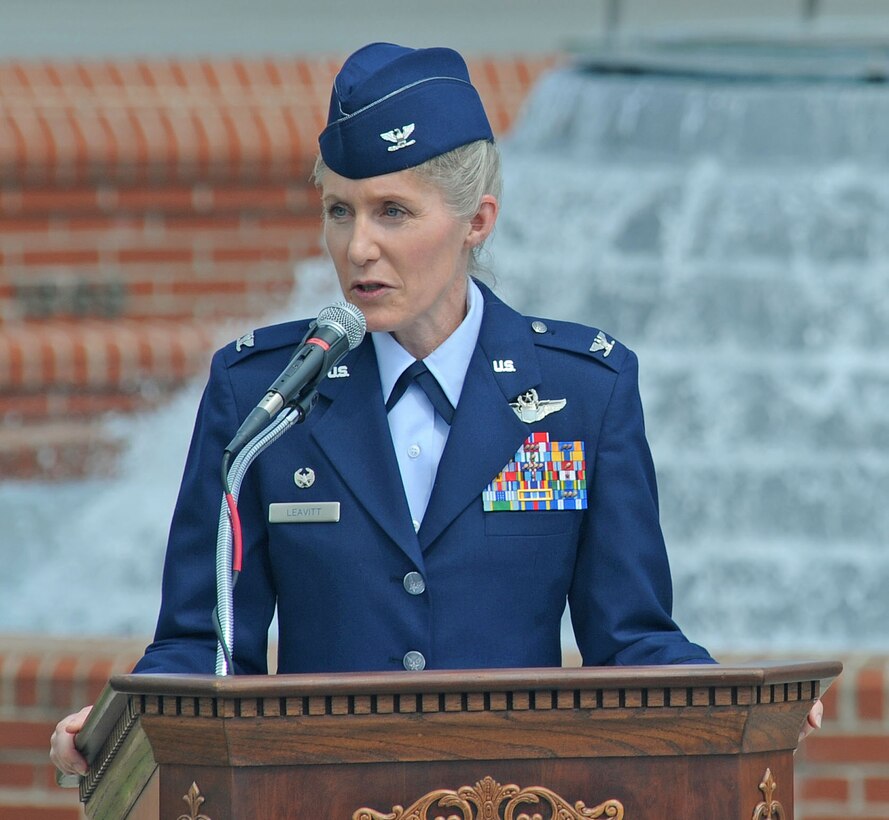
x: 363, y: 246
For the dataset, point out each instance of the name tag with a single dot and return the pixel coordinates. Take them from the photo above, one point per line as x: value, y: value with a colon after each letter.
x: 305, y: 513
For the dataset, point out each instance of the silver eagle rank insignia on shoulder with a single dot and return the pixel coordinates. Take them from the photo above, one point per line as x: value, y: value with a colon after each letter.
x: 529, y: 408
x: 247, y: 340
x: 601, y: 343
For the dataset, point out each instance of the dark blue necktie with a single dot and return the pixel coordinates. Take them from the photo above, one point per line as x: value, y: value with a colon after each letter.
x: 419, y: 373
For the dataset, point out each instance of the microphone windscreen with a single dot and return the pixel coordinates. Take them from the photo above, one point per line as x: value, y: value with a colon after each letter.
x: 346, y: 316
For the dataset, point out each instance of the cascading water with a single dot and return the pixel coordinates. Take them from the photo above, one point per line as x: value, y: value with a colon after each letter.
x: 735, y: 233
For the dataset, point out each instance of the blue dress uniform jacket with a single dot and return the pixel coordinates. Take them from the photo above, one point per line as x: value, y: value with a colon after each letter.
x: 495, y: 582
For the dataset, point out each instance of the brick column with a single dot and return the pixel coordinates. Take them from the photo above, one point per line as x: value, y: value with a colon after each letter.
x: 843, y: 769
x: 41, y: 681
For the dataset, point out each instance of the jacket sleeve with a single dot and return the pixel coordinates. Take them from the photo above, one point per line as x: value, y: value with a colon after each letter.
x: 621, y: 594
x: 185, y: 640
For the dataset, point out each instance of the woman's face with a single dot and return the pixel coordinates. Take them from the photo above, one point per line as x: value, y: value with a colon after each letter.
x: 400, y: 254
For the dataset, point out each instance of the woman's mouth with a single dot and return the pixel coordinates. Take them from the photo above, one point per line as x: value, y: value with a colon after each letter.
x: 368, y: 288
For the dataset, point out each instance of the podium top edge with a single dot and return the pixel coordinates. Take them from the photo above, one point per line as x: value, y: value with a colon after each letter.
x: 476, y: 680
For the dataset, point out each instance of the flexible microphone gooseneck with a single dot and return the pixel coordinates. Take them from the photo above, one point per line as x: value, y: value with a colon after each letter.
x: 338, y: 329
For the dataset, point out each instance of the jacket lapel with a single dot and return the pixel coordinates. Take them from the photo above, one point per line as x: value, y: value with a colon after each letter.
x: 354, y: 435
x: 485, y: 432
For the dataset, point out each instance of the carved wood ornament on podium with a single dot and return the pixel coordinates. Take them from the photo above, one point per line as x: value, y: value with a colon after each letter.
x: 195, y: 800
x: 769, y: 809
x: 488, y: 799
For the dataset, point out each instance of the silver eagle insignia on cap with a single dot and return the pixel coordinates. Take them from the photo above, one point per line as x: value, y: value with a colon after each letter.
x: 602, y: 343
x: 400, y: 137
x: 529, y: 408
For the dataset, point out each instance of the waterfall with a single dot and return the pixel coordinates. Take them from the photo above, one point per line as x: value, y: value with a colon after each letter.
x: 735, y: 234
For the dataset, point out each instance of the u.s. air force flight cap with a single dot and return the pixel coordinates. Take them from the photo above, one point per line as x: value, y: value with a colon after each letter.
x: 393, y: 107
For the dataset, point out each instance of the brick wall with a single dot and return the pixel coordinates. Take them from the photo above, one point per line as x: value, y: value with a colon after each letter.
x: 143, y: 203
x: 842, y: 770
x: 41, y: 681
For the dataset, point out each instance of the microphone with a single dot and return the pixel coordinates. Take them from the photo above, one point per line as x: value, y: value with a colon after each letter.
x: 338, y: 329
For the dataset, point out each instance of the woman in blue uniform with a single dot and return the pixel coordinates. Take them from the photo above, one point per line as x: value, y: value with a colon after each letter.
x: 467, y: 470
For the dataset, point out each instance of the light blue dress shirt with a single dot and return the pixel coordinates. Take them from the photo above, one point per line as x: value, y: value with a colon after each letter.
x: 418, y: 433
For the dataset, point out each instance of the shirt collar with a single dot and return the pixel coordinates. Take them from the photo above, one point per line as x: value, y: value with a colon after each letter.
x: 448, y: 362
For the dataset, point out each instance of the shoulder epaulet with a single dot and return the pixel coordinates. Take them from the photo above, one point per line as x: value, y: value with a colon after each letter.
x: 577, y: 338
x: 264, y: 339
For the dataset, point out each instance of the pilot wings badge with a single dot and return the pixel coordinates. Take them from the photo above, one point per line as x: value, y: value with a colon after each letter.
x: 602, y: 343
x: 529, y: 408
x: 400, y: 137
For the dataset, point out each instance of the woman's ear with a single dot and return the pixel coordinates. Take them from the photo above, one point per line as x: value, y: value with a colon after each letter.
x: 481, y: 225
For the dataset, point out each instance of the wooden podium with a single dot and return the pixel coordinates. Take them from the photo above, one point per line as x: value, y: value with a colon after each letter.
x: 632, y: 743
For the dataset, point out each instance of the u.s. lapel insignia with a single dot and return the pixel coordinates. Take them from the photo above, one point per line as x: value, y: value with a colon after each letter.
x: 542, y: 475
x: 245, y: 341
x: 529, y: 408
x: 601, y: 343
x: 338, y: 371
x: 304, y: 477
x: 503, y: 365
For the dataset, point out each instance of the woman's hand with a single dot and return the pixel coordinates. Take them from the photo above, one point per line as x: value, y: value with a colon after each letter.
x: 62, y: 752
x: 813, y: 719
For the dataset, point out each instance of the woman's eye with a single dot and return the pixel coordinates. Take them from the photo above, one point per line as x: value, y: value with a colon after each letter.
x: 336, y: 211
x: 393, y: 211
